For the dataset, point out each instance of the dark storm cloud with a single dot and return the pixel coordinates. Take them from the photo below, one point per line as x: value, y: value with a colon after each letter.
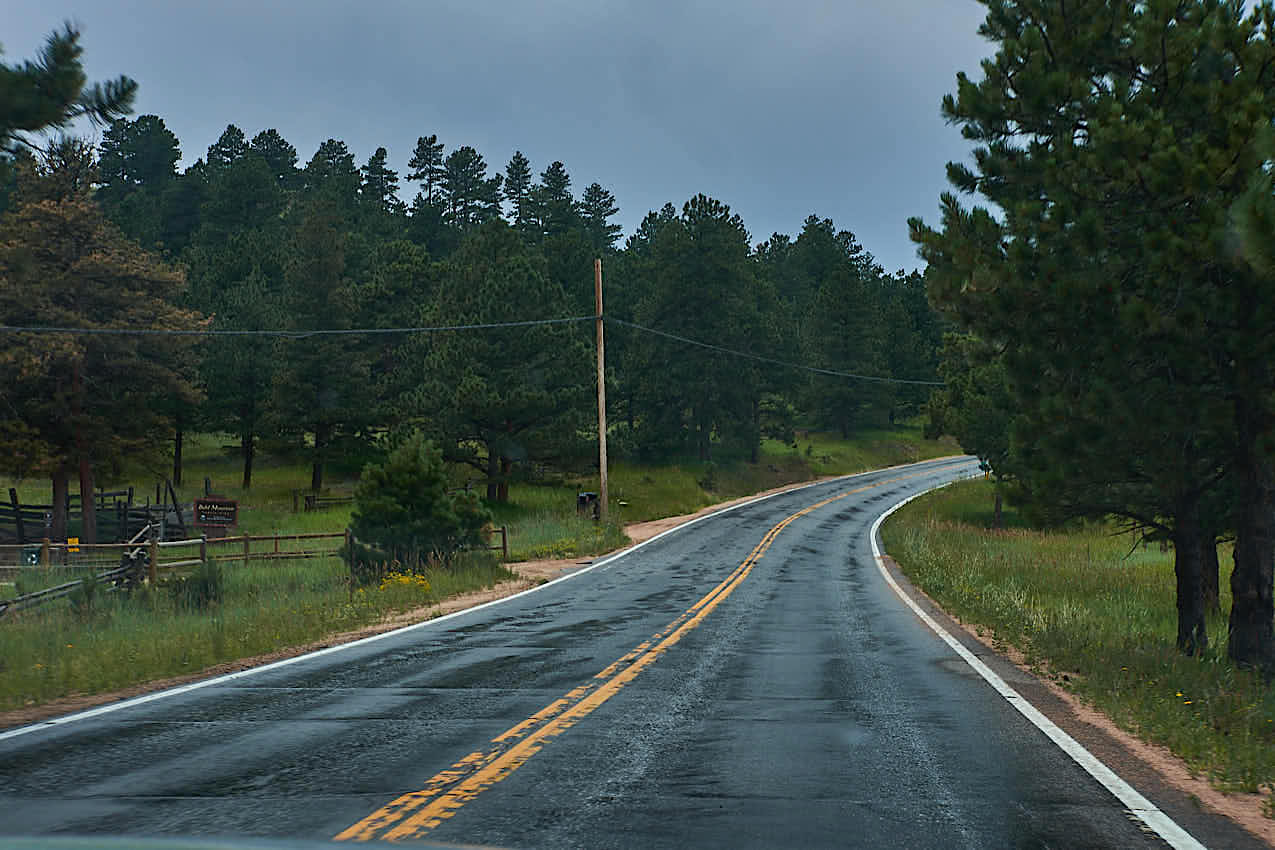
x: 779, y: 109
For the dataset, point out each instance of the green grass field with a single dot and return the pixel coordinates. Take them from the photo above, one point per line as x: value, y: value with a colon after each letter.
x: 1087, y: 602
x: 541, y: 517
x: 120, y: 640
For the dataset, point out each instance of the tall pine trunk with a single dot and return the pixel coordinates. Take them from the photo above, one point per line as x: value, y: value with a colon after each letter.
x: 248, y: 448
x: 1188, y: 567
x: 177, y: 453
x: 61, y: 490
x: 321, y: 436
x: 88, y: 504
x: 1210, y: 571
x: 1250, y: 638
x: 506, y: 464
x: 502, y: 490
x: 493, y: 473
x: 755, y: 450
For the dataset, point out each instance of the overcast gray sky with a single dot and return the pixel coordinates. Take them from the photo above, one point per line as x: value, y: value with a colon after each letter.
x: 778, y: 109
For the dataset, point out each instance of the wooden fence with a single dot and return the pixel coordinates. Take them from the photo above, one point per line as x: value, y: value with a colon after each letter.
x: 315, y: 502
x: 113, y: 561
x: 119, y: 516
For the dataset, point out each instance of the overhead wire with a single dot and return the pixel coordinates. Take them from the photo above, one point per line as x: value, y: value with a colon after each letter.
x: 290, y: 334
x: 305, y: 334
x: 771, y: 360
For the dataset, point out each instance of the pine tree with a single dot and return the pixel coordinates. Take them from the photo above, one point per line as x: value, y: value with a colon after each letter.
x: 138, y: 154
x: 331, y: 173
x: 847, y: 329
x: 1117, y: 139
x: 238, y: 372
x: 427, y: 165
x: 468, y: 195
x: 696, y: 278
x: 53, y: 91
x: 137, y: 168
x: 427, y: 226
x: 278, y: 154
x: 556, y: 208
x: 322, y: 385
x: 83, y: 402
x: 597, y: 206
x: 237, y: 263
x: 243, y: 195
x: 518, y: 188
x: 380, y: 185
x: 498, y: 397
x: 403, y: 506
x: 229, y: 147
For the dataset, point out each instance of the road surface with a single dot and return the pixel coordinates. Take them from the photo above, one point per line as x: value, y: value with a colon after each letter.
x: 747, y: 681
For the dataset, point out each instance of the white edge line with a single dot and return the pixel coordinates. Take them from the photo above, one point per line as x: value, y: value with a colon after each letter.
x: 274, y: 665
x: 1138, y: 805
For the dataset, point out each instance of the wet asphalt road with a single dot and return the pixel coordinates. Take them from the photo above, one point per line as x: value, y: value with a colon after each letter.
x: 805, y: 707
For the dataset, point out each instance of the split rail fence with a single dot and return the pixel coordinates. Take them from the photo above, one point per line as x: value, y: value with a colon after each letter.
x: 110, y: 562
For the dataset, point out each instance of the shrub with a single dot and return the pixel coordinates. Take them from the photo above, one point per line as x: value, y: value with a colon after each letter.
x: 84, y: 596
x: 201, y: 588
x: 708, y: 481
x: 402, y: 508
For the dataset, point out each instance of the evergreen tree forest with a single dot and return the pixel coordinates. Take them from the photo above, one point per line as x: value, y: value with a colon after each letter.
x: 253, y: 237
x: 1100, y: 317
x: 1113, y: 294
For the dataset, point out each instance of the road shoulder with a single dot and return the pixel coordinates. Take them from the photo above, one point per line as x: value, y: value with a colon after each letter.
x: 1213, y: 817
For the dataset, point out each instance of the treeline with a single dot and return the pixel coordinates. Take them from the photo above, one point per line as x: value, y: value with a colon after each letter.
x: 1118, y: 354
x: 249, y: 238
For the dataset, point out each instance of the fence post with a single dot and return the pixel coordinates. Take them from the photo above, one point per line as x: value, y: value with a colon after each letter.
x: 349, y: 559
x: 247, y: 543
x: 203, y: 548
x: 504, y: 541
x: 152, y: 571
x: 45, y: 559
x: 17, y: 515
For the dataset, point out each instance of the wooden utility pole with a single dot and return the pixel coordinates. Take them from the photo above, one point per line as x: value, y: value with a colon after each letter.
x: 602, y: 397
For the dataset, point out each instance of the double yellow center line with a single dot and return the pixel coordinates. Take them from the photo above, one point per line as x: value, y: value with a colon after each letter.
x: 413, y: 815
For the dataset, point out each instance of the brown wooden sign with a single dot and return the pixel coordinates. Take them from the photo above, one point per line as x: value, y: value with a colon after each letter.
x: 215, y: 512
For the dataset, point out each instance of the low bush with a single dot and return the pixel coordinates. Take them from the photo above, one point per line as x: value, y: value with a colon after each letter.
x: 202, y: 588
x: 404, y: 514
x: 85, y: 595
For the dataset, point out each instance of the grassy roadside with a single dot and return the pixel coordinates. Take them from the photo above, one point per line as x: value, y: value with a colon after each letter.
x: 1080, y: 601
x: 541, y: 517
x: 121, y: 640
x: 542, y: 521
x: 53, y: 651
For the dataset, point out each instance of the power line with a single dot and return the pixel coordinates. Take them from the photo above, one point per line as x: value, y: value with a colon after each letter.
x: 304, y: 334
x: 290, y: 334
x: 771, y: 360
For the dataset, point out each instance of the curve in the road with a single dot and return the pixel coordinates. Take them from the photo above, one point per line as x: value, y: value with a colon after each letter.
x: 1139, y: 806
x: 227, y: 678
x: 801, y: 706
x: 412, y: 816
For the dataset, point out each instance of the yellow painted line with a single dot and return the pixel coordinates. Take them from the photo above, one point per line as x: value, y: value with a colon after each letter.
x: 412, y: 815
